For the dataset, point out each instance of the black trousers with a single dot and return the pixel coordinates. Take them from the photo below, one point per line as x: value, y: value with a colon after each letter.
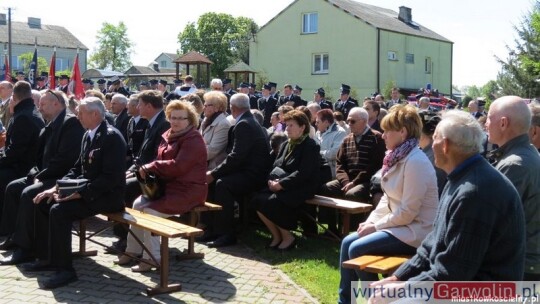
x: 19, y: 190
x: 7, y: 175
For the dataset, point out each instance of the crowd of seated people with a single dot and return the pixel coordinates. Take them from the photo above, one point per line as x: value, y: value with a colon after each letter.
x: 272, y: 152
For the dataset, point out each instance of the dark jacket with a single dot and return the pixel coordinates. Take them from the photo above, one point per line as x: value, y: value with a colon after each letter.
x: 61, y: 148
x: 268, y: 107
x: 346, y: 106
x: 21, y: 150
x: 301, y: 166
x: 292, y: 98
x: 121, y: 123
x: 181, y: 162
x: 152, y: 139
x: 103, y: 164
x: 135, y: 133
x: 248, y: 150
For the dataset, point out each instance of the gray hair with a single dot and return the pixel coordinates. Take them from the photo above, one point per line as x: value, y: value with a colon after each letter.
x: 259, y: 117
x: 216, y: 81
x: 313, y: 105
x: 535, y: 111
x: 94, y: 104
x: 121, y: 98
x: 424, y: 100
x: 240, y: 100
x: 462, y: 130
x: 360, y: 113
x: 133, y: 99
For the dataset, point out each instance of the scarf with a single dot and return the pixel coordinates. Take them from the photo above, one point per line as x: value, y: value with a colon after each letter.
x: 293, y: 143
x: 171, y: 136
x: 392, y: 157
x: 209, y: 120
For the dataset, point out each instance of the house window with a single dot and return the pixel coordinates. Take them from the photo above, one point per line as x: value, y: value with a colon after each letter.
x: 427, y: 66
x: 392, y: 56
x: 310, y: 23
x: 163, y: 63
x: 320, y: 64
x: 409, y: 58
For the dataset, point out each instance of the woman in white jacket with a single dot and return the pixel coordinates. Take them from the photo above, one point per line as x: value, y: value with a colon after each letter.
x: 215, y: 127
x: 329, y: 136
x: 405, y: 213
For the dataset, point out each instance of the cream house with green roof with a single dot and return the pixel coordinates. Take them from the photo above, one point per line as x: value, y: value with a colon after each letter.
x: 324, y: 43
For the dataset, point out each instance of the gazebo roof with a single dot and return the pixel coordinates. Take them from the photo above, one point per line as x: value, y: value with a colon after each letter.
x: 192, y: 58
x: 238, y: 67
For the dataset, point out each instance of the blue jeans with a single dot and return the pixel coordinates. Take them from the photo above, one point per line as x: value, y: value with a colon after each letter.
x: 353, y: 246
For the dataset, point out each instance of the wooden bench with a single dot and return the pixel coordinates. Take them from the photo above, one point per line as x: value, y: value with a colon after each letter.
x: 376, y: 263
x: 345, y: 207
x: 157, y: 226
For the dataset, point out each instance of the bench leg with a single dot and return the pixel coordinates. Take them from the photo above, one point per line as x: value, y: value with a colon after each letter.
x: 346, y: 224
x: 164, y: 286
x: 190, y: 254
x: 82, y: 242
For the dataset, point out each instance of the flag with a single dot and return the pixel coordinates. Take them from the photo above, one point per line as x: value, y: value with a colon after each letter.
x: 52, y: 71
x: 7, y: 72
x: 76, y: 86
x: 33, y: 69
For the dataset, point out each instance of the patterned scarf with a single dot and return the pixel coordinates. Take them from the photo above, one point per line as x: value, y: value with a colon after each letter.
x: 399, y: 153
x: 293, y: 143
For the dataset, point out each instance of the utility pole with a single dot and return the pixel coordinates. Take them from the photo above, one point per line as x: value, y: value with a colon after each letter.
x: 9, y: 37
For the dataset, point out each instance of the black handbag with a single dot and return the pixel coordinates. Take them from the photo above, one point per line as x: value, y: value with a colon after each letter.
x: 152, y: 186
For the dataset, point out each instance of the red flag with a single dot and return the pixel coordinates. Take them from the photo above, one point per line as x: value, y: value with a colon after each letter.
x: 7, y: 72
x: 52, y: 71
x: 76, y: 86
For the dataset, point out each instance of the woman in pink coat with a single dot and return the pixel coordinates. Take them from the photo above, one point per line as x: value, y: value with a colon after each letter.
x: 181, y: 163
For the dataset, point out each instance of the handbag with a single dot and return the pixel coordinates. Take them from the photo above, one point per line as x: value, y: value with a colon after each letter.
x: 67, y: 187
x: 152, y: 186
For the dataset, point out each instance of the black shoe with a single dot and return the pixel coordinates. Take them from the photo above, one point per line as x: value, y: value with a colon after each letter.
x: 206, y: 237
x: 59, y: 279
x: 39, y: 265
x: 222, y: 241
x: 19, y: 256
x: 8, y: 244
x: 117, y: 247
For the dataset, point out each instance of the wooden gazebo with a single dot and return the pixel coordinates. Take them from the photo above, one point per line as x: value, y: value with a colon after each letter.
x: 240, y: 68
x: 197, y: 59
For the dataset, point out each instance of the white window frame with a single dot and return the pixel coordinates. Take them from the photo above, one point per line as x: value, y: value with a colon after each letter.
x: 427, y: 65
x: 306, y: 23
x: 319, y: 58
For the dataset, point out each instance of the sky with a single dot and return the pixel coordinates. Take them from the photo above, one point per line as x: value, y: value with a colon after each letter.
x: 480, y: 29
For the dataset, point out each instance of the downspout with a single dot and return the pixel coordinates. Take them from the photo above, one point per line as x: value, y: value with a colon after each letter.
x: 379, y: 61
x: 451, y: 67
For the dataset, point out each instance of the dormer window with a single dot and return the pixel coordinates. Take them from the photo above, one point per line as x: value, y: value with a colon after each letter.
x: 310, y: 23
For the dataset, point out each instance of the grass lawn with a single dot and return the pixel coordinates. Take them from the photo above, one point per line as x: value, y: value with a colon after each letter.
x: 312, y: 265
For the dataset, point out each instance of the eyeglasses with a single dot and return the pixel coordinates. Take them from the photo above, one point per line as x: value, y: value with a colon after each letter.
x: 208, y: 105
x: 177, y: 118
x: 351, y: 121
x: 57, y: 98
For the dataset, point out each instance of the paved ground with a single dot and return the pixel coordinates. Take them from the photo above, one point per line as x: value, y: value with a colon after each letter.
x: 232, y: 275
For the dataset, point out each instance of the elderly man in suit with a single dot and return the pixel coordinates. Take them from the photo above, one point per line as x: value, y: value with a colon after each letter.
x: 119, y: 108
x: 59, y: 147
x: 243, y: 171
x: 102, y: 163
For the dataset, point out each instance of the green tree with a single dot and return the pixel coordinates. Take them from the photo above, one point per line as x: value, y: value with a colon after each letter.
x: 221, y: 37
x: 521, y: 70
x: 26, y: 59
x: 113, y: 50
x: 490, y: 90
x: 474, y: 91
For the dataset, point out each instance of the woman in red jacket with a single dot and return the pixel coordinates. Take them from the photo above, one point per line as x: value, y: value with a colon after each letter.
x: 181, y: 162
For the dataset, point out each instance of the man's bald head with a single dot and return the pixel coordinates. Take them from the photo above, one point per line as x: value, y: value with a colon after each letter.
x: 508, y: 118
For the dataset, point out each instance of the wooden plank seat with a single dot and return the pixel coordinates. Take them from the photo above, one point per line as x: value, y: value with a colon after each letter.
x: 345, y: 207
x: 376, y: 263
x: 156, y: 225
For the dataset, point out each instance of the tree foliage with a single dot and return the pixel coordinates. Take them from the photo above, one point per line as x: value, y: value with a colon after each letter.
x: 520, y: 71
x: 113, y: 50
x: 221, y: 37
x: 26, y: 59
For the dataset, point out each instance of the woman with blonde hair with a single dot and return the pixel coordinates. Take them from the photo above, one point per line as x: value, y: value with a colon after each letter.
x: 215, y: 127
x: 405, y: 213
x: 181, y: 163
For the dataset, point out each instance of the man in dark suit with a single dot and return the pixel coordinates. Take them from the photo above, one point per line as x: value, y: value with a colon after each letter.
x: 345, y: 103
x: 289, y: 98
x: 101, y: 85
x: 20, y: 152
x: 242, y: 172
x: 59, y: 147
x: 267, y: 104
x: 64, y: 82
x: 101, y: 162
x: 297, y: 91
x: 273, y: 93
x: 150, y: 108
x: 394, y: 98
x: 318, y: 97
x: 162, y: 87
x: 136, y: 128
x: 119, y: 108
